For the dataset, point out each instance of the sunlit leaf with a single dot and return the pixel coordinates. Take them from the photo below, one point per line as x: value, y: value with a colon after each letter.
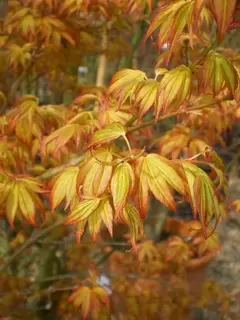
x: 65, y: 186
x: 132, y: 218
x: 107, y: 134
x: 122, y: 183
x: 222, y: 11
x: 82, y: 210
x: 99, y: 173
x: 218, y: 74
x: 124, y: 82
x: 173, y: 90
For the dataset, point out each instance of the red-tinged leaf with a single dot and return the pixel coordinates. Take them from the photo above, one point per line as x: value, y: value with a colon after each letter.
x: 236, y: 204
x: 79, y: 229
x: 26, y: 204
x: 173, y: 90
x: 162, y: 167
x: 206, y: 201
x: 198, y: 5
x: 12, y: 203
x: 64, y: 187
x: 124, y: 82
x: 99, y: 175
x: 32, y: 184
x: 101, y: 294
x: 82, y: 297
x: 94, y: 222
x: 217, y: 74
x: 82, y: 210
x: 166, y: 13
x: 132, y: 218
x: 222, y: 11
x: 112, y: 115
x: 121, y: 184
x: 107, y: 216
x: 147, y: 251
x: 62, y: 136
x: 161, y: 191
x: 107, y: 134
x: 145, y: 96
x: 142, y: 187
x: 211, y: 244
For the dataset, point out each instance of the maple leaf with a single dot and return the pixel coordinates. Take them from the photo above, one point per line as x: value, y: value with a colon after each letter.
x: 236, y: 204
x: 88, y: 298
x: 131, y: 217
x: 174, y: 141
x: 92, y: 212
x: 96, y: 174
x: 113, y: 114
x: 210, y: 244
x: 65, y: 186
x: 177, y: 250
x: 124, y: 83
x: 222, y: 11
x: 107, y: 134
x: 217, y: 74
x: 147, y: 251
x: 62, y: 136
x: 158, y: 174
x: 122, y: 184
x: 173, y: 90
x: 172, y: 20
x: 20, y: 196
x: 202, y: 195
x: 145, y: 96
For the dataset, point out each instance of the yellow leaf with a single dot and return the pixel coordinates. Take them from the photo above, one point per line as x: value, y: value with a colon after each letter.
x: 145, y: 96
x: 62, y: 136
x: 132, y: 218
x: 26, y: 204
x: 162, y: 167
x: 121, y: 185
x: 82, y: 297
x: 173, y: 90
x: 202, y: 195
x: 99, y: 174
x: 12, y: 203
x: 65, y: 186
x: 124, y: 82
x: 94, y: 222
x: 107, y: 215
x: 82, y: 210
x: 107, y: 134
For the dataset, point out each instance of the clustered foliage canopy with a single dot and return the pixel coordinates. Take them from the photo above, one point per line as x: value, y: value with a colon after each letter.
x: 98, y: 159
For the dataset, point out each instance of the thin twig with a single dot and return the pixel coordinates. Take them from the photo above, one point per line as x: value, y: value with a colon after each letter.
x: 30, y: 242
x: 173, y: 114
x: 54, y: 171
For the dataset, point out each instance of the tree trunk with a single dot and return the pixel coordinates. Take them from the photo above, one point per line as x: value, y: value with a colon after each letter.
x: 102, y: 62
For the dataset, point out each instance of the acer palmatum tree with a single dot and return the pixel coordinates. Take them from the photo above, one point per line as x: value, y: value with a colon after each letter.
x: 95, y: 164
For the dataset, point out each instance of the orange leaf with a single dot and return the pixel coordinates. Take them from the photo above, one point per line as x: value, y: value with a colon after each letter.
x: 222, y: 11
